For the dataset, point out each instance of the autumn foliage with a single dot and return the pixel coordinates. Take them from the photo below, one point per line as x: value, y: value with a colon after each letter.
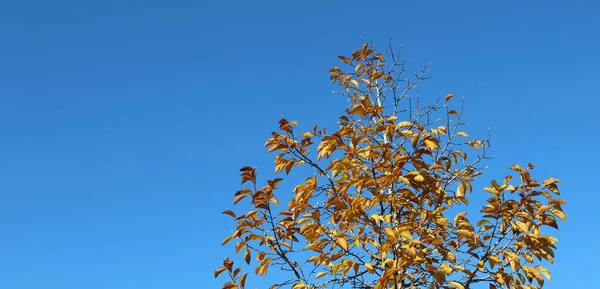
x: 386, y: 205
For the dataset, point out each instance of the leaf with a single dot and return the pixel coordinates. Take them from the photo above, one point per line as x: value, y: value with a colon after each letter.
x: 439, y: 276
x: 377, y: 217
x: 460, y: 192
x: 243, y: 280
x: 522, y: 226
x: 343, y: 244
x: 229, y: 212
x: 219, y: 271
x: 238, y: 198
x: 419, y: 178
x: 550, y: 181
x: 247, y: 256
x: 345, y: 59
x: 415, y: 139
x: 560, y: 214
x: 369, y: 267
x: 320, y: 274
x: 229, y: 285
x: 544, y: 272
x: 248, y: 174
x: 445, y: 268
x: 403, y: 124
x: 390, y: 232
x: 460, y: 133
x: 449, y: 96
x: 456, y: 285
x: 226, y: 240
x: 431, y: 144
x: 299, y: 286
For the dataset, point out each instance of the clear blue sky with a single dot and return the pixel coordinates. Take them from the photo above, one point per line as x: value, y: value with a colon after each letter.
x: 123, y: 123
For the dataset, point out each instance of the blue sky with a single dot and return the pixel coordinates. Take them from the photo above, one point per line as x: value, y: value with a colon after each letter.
x: 123, y: 123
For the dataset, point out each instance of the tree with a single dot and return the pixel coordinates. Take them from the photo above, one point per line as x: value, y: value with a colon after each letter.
x: 386, y: 206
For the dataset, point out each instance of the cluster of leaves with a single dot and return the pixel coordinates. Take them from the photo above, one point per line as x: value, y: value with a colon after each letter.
x: 382, y: 209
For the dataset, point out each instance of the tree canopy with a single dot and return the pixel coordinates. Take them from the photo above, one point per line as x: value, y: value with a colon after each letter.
x: 386, y: 206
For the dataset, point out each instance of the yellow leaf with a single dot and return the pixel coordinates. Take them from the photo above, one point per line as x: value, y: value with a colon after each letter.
x: 559, y: 214
x: 403, y: 124
x: 369, y: 267
x: 446, y: 268
x: 299, y: 286
x: 247, y: 256
x: 321, y: 274
x: 431, y: 144
x: 460, y: 133
x: 219, y: 271
x: 353, y: 81
x: 342, y: 242
x: 358, y: 67
x: 226, y: 240
x: 460, y: 192
x: 439, y: 276
x: 419, y: 178
x: 550, y: 181
x: 415, y: 139
x: 377, y: 217
x: 456, y: 284
x: 390, y: 232
x: 406, y: 234
x: 449, y: 96
x: 544, y: 271
x: 229, y: 212
x: 522, y: 226
x: 406, y: 132
x: 238, y: 198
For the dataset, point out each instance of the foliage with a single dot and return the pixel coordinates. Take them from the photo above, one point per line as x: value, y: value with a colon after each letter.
x: 385, y: 206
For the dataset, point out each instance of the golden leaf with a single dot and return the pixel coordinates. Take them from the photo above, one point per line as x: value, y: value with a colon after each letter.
x: 439, y: 276
x: 550, y: 181
x: 521, y: 226
x: 247, y: 256
x: 342, y: 243
x: 456, y: 284
x: 377, y: 217
x: 460, y: 192
x: 229, y: 212
x: 299, y: 286
x: 460, y: 133
x: 560, y: 214
x: 219, y: 271
x: 544, y: 272
x: 226, y: 240
x: 390, y: 232
x: 238, y: 198
x: 321, y: 274
x: 445, y: 268
x: 449, y: 96
x: 431, y: 143
x: 403, y: 124
x: 229, y: 285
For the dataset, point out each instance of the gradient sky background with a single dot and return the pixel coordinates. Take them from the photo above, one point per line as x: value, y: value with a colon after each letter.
x: 123, y: 123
